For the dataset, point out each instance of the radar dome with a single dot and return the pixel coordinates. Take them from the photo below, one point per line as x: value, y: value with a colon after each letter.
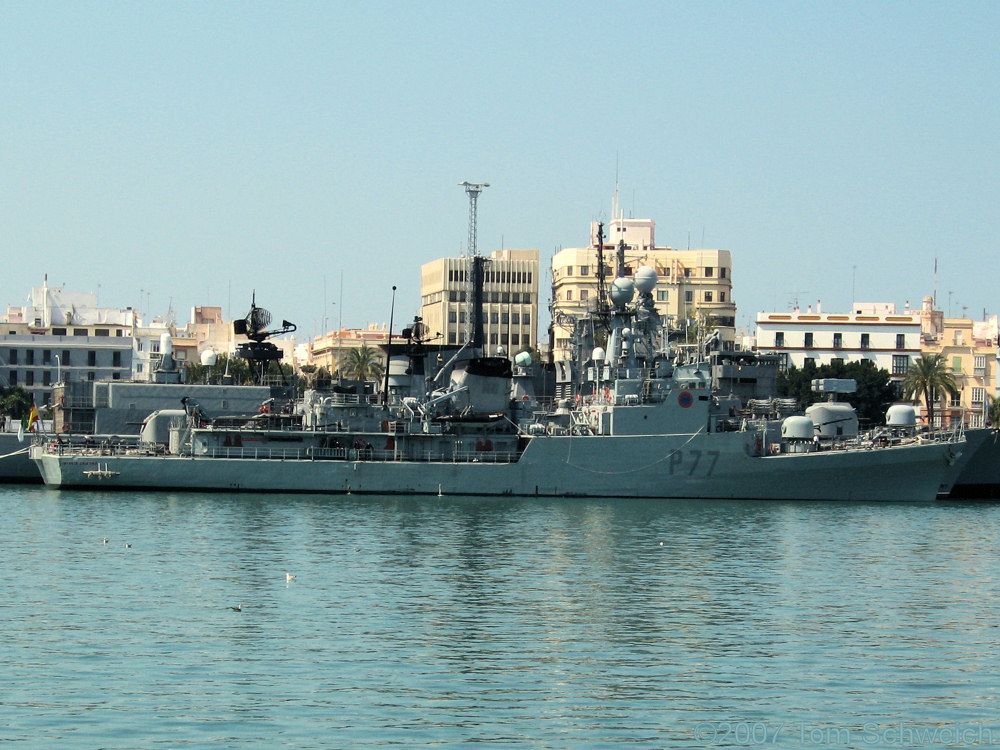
x: 522, y: 359
x: 645, y: 279
x: 901, y: 415
x: 208, y: 358
x: 622, y: 291
x: 599, y: 354
x: 797, y: 428
x: 166, y: 344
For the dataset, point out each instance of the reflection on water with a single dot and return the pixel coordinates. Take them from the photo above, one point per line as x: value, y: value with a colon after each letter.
x: 542, y: 623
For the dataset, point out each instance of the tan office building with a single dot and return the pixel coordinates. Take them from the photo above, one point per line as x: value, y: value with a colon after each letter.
x: 510, y: 295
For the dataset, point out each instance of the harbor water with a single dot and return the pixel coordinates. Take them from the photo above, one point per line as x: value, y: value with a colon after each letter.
x: 453, y: 621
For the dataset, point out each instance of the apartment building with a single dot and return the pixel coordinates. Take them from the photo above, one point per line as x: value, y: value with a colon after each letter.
x: 510, y: 300
x: 872, y: 331
x: 63, y: 336
x: 971, y: 352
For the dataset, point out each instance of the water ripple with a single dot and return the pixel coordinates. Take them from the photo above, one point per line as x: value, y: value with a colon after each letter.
x: 459, y: 620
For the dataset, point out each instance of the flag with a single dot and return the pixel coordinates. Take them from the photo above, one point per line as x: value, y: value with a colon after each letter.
x: 28, y: 422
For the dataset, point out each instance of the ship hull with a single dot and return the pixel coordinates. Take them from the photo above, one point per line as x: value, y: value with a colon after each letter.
x: 705, y: 466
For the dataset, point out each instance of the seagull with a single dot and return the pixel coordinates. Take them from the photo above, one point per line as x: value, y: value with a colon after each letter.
x: 238, y: 607
x: 105, y: 540
x: 128, y: 546
x: 289, y: 578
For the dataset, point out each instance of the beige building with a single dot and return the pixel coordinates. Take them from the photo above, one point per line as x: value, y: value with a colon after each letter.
x: 510, y: 308
x: 333, y: 347
x: 970, y: 349
x: 693, y: 285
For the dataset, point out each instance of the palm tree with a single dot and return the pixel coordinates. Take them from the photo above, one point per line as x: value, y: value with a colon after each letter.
x: 361, y: 363
x: 994, y: 413
x: 926, y: 377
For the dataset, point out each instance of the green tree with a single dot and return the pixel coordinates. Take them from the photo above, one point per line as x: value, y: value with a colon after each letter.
x: 15, y: 402
x: 927, y: 378
x: 361, y: 364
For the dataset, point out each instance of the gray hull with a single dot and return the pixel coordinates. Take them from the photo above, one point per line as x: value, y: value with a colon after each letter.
x: 15, y: 464
x: 979, y: 476
x: 670, y: 466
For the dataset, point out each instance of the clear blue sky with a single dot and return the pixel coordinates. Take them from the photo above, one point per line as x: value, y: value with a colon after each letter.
x: 191, y: 152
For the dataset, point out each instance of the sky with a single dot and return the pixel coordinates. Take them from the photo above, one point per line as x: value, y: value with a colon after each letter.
x: 171, y: 154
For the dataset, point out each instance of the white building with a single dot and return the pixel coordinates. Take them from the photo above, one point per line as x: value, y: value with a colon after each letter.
x: 873, y: 331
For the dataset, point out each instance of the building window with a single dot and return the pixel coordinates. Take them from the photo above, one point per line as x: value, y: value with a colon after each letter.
x: 515, y: 318
x: 47, y: 377
x: 46, y: 356
x: 65, y: 358
x: 91, y: 359
x: 91, y: 376
x: 58, y: 331
x: 687, y: 273
x: 661, y: 295
x: 689, y: 296
x: 495, y: 319
x: 12, y: 379
x: 838, y: 340
x: 956, y: 400
x: 29, y: 378
x: 978, y: 397
x: 722, y: 296
x: 584, y: 295
x: 514, y: 339
x: 900, y: 340
x: 722, y: 272
x: 809, y: 340
x: 493, y: 339
x: 452, y: 316
x: 102, y: 332
x: 13, y: 356
x: 865, y: 340
x: 569, y: 295
x: 79, y: 331
x: 526, y: 318
x: 569, y: 270
x: 116, y: 359
x: 29, y: 357
x: 504, y: 318
x: 979, y: 365
x: 779, y: 338
x: 709, y: 272
x: 956, y: 365
x: 584, y: 270
x: 900, y: 364
x: 976, y: 421
x: 958, y: 338
x: 708, y: 296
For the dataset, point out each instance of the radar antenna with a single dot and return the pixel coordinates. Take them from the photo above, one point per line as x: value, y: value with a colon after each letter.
x: 257, y: 352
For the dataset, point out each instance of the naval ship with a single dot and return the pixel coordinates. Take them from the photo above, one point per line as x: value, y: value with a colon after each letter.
x: 638, y: 419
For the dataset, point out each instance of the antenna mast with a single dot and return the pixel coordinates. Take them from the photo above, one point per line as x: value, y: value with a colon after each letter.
x: 476, y: 273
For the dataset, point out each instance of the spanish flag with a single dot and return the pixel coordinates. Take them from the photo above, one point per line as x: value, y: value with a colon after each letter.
x: 28, y: 422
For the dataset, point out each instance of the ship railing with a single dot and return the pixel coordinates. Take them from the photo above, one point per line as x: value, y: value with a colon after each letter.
x: 356, y: 454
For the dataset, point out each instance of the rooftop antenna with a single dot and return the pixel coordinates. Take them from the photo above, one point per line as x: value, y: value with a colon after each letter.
x: 935, y: 284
